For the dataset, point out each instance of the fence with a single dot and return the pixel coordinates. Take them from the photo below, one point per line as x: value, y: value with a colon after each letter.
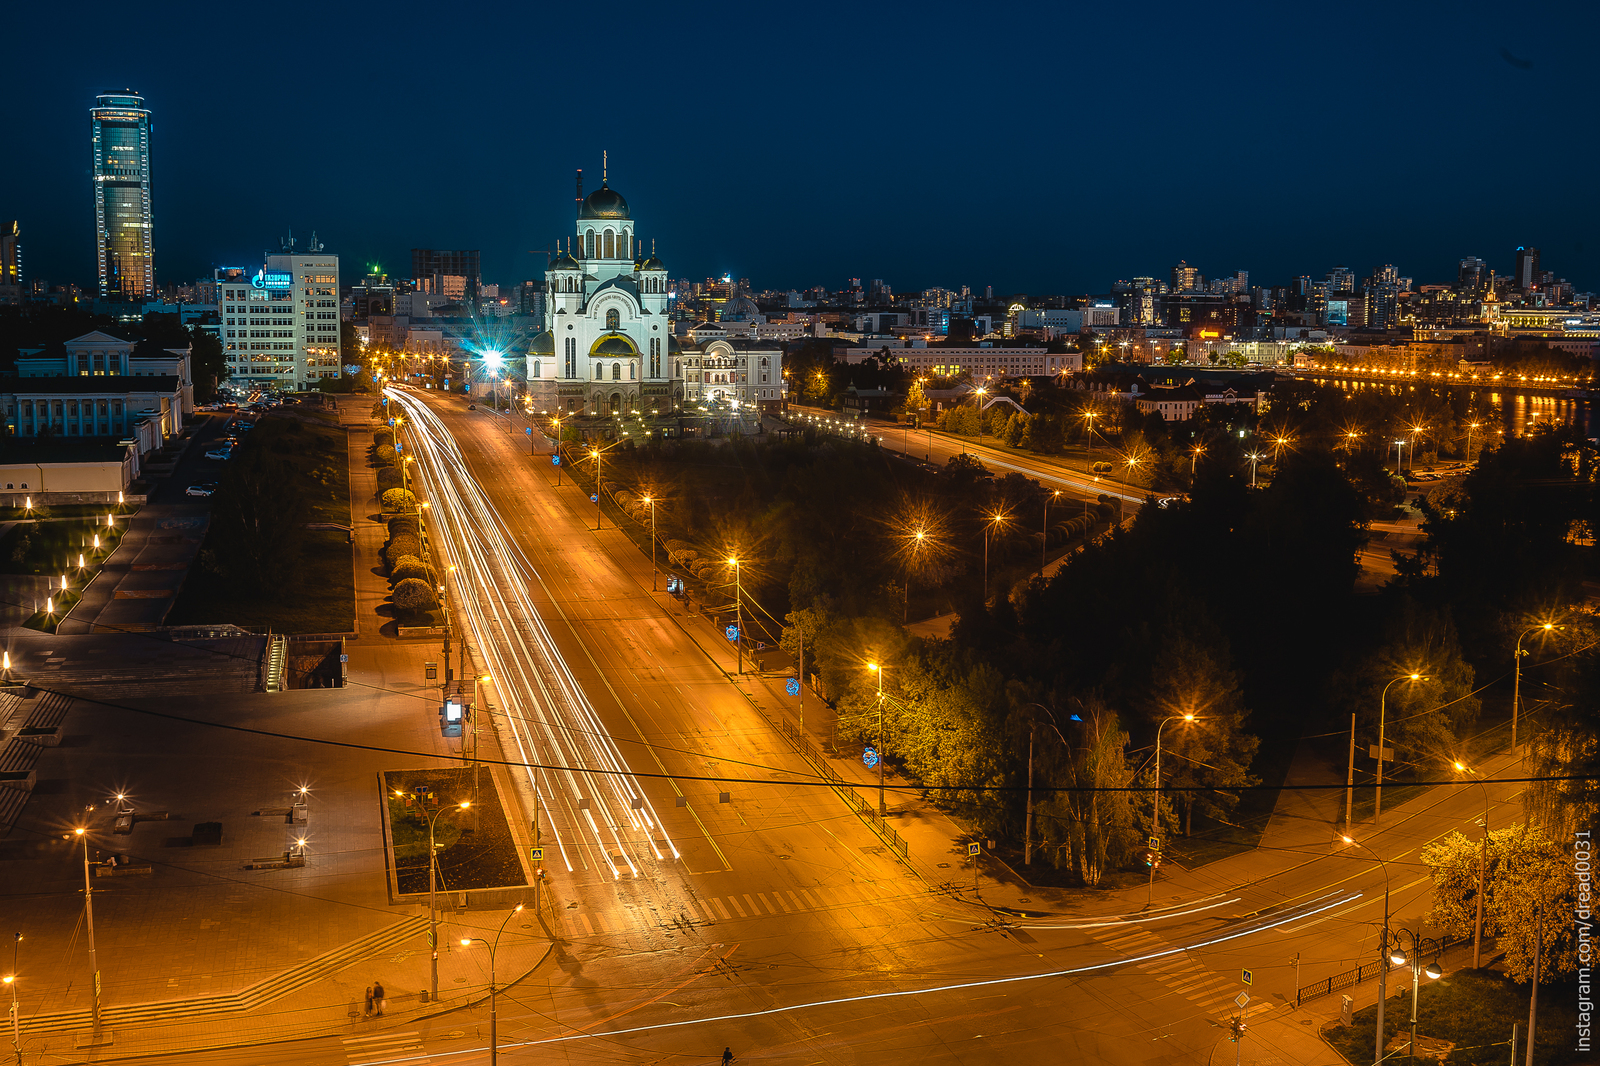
x: 864, y: 810
x: 1351, y: 978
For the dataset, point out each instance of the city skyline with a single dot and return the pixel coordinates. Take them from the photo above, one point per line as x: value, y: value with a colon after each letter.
x: 1119, y: 179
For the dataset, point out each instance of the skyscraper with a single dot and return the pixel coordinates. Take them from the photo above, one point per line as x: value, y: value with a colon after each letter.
x: 10, y: 264
x: 1527, y: 267
x: 122, y: 218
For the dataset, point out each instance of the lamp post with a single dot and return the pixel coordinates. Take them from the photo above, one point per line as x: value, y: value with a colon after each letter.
x: 875, y: 668
x: 1483, y: 870
x: 594, y: 453
x: 88, y: 910
x: 1194, y: 458
x: 1377, y: 797
x: 1255, y: 458
x: 1156, y: 834
x: 556, y: 421
x: 16, y: 1016
x: 994, y: 522
x: 1383, y: 947
x: 1089, y: 416
x: 1413, y: 958
x: 652, y: 502
x: 1516, y: 684
x: 1470, y: 427
x: 738, y: 611
x: 917, y: 537
x: 1044, y: 549
x: 433, y: 913
x: 494, y: 1042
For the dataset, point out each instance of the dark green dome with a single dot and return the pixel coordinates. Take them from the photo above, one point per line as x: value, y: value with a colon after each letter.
x: 604, y: 202
x: 543, y: 344
x: 613, y: 344
x: 652, y: 264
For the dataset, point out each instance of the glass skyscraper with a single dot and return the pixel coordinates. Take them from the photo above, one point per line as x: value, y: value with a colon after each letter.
x: 122, y: 218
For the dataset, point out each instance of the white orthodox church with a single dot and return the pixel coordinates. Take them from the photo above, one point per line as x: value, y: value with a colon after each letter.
x: 608, y: 346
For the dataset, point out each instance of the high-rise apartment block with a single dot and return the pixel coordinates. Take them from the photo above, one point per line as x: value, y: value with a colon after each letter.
x: 11, y: 264
x: 124, y: 230
x: 458, y: 271
x: 280, y: 325
x: 1185, y: 278
x: 1527, y: 275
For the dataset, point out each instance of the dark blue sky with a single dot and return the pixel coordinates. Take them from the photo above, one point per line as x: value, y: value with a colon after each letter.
x: 1038, y: 148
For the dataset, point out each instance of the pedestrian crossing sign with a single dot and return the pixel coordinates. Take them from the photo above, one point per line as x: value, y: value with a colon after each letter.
x: 536, y: 854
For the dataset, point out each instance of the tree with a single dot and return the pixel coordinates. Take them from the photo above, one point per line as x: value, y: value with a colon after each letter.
x: 413, y: 596
x: 207, y: 366
x: 1016, y: 428
x: 399, y: 500
x: 1090, y: 831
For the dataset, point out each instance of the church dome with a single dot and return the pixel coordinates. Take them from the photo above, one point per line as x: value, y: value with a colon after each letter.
x: 613, y: 344
x: 565, y: 262
x: 652, y: 264
x: 543, y: 344
x: 604, y: 202
x: 741, y: 309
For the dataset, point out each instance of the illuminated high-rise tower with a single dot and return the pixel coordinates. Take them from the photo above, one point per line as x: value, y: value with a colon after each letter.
x: 123, y: 226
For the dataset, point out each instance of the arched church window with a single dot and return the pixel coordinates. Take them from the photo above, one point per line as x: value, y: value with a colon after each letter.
x: 537, y: 368
x: 599, y: 371
x: 616, y: 371
x: 610, y: 249
x: 613, y: 319
x: 625, y: 245
x: 588, y: 244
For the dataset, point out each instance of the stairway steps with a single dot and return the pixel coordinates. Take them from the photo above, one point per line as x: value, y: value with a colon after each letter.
x: 137, y: 1015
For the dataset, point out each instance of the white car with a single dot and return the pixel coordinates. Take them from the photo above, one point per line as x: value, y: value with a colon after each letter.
x: 206, y: 489
x: 220, y: 453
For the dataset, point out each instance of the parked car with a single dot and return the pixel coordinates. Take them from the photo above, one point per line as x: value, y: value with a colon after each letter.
x: 205, y: 488
x: 220, y: 453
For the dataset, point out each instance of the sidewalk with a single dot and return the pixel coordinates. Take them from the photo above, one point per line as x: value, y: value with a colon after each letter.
x: 140, y: 580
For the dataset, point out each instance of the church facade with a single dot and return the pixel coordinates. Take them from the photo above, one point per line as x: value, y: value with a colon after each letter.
x: 608, y: 346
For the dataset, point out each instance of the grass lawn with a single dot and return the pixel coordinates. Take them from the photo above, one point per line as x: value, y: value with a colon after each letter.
x: 1472, y: 1009
x: 53, y: 547
x: 322, y: 596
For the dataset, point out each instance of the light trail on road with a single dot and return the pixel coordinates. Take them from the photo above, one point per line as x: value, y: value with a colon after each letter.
x: 542, y: 701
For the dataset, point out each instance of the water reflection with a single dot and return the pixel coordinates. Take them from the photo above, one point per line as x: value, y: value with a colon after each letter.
x: 1518, y: 412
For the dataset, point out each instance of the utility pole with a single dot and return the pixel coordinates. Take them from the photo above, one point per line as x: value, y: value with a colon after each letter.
x: 1027, y: 832
x: 1350, y: 780
x: 1533, y: 1001
x: 94, y: 957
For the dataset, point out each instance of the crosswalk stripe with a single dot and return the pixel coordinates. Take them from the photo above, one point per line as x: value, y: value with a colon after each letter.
x: 752, y: 901
x: 711, y: 915
x: 600, y: 923
x: 767, y: 903
x: 811, y: 903
x: 797, y: 904
x: 722, y: 910
x: 587, y: 928
x: 734, y: 903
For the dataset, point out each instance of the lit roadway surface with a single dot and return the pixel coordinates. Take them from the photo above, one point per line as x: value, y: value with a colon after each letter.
x: 776, y: 924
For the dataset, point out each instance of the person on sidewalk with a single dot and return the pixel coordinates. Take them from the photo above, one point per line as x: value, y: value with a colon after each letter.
x: 727, y: 1056
x: 377, y: 997
x: 368, y: 1012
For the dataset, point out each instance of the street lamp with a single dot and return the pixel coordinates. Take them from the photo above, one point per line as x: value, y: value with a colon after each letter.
x: 1516, y: 684
x: 1156, y: 833
x: 433, y: 913
x: 738, y: 610
x: 1044, y: 548
x: 88, y: 910
x: 10, y: 979
x: 1413, y: 958
x: 876, y: 669
x: 1194, y: 458
x: 917, y: 539
x: 494, y: 1042
x: 651, y: 501
x: 1254, y: 457
x: 995, y: 521
x: 1483, y: 869
x: 594, y: 453
x: 1377, y: 797
x: 1383, y: 946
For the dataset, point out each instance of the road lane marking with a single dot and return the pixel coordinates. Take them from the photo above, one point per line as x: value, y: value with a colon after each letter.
x: 734, y: 903
x: 767, y: 903
x: 722, y: 910
x: 584, y: 918
x: 811, y: 903
x: 797, y: 904
x: 751, y: 900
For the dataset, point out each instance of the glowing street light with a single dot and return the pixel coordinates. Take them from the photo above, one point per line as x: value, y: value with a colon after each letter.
x: 494, y: 1035
x: 994, y: 522
x: 1377, y: 796
x: 878, y: 670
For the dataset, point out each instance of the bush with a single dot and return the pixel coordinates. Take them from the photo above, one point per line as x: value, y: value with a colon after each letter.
x: 405, y: 524
x: 413, y: 595
x: 383, y: 436
x: 386, y: 455
x: 402, y: 546
x: 389, y: 477
x: 399, y: 500
x: 407, y: 567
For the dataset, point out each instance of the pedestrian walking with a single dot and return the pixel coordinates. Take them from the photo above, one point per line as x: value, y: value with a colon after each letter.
x: 377, y: 997
x: 368, y: 1012
x: 727, y: 1056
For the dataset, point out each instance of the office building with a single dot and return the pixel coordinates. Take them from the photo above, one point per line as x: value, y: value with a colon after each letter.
x: 11, y: 265
x: 1185, y: 278
x: 280, y: 325
x: 124, y: 230
x: 1527, y: 275
x: 459, y: 266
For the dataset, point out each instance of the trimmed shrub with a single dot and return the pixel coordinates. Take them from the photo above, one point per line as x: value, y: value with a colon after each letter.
x: 386, y: 455
x: 409, y: 566
x: 399, y: 500
x: 405, y: 524
x: 413, y: 594
x: 382, y: 437
x: 402, y: 546
x: 389, y: 478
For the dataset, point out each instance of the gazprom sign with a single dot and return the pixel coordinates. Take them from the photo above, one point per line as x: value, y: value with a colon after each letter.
x: 272, y: 279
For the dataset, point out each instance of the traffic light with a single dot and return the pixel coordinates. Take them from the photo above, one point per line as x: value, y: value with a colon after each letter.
x: 1236, y: 1030
x: 1150, y: 859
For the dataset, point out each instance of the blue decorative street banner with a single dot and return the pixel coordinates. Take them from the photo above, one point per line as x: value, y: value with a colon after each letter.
x: 733, y: 632
x: 792, y: 686
x: 555, y: 460
x: 528, y: 431
x: 593, y: 498
x: 870, y: 757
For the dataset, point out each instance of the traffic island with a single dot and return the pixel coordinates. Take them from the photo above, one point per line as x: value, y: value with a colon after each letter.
x: 478, y: 857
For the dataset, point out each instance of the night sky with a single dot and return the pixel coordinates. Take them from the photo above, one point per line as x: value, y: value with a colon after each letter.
x: 1039, y: 149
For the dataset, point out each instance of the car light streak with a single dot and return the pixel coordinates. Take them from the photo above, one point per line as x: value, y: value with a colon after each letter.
x: 541, y: 698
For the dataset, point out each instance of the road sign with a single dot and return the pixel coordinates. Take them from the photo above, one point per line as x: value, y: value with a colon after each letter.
x: 792, y: 686
x: 1155, y: 843
x: 391, y: 421
x: 343, y: 657
x: 974, y: 847
x: 430, y: 938
x: 528, y: 431
x: 1246, y: 977
x: 536, y: 854
x: 1388, y: 753
x: 594, y: 498
x: 733, y: 632
x: 555, y: 460
x: 386, y: 401
x: 1241, y: 999
x: 870, y: 757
